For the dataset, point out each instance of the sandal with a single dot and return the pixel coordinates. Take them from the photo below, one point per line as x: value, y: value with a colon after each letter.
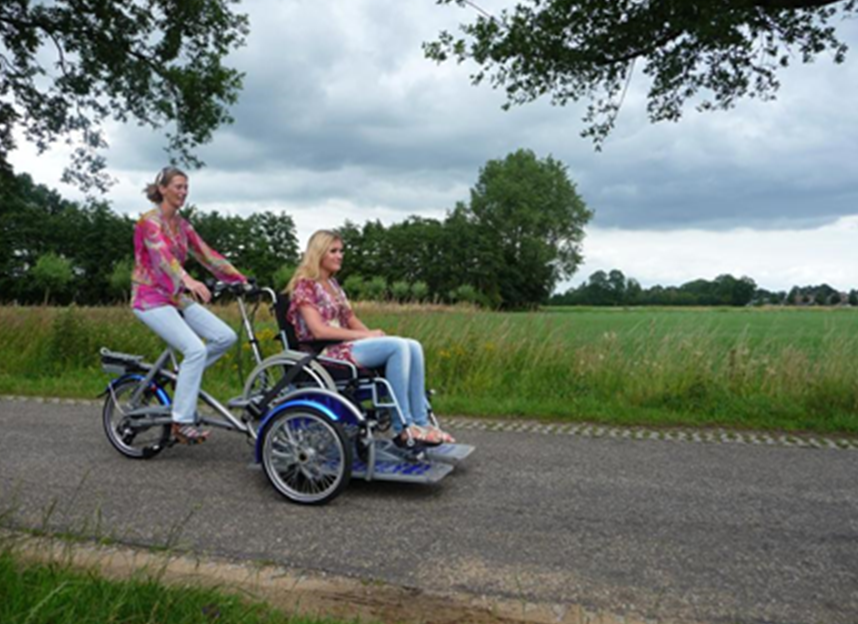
x: 442, y: 435
x: 425, y: 436
x: 189, y: 434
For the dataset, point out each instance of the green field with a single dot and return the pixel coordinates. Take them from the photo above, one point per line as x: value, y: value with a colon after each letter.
x: 776, y: 368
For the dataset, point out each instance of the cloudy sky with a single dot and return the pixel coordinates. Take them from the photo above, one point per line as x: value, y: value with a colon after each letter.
x: 342, y: 118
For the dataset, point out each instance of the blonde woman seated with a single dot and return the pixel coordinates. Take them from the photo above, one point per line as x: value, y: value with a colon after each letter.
x: 319, y: 310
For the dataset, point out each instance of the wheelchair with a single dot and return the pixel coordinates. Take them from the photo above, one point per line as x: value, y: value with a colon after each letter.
x: 359, y: 403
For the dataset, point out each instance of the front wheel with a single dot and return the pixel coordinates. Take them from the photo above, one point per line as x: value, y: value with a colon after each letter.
x: 126, y: 435
x: 305, y: 456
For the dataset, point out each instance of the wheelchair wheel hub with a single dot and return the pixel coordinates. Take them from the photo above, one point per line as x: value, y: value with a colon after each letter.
x: 306, y: 455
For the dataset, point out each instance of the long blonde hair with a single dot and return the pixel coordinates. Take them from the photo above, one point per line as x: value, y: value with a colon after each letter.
x: 310, y: 267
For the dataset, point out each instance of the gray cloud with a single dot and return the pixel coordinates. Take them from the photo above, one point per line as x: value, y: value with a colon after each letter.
x: 340, y: 106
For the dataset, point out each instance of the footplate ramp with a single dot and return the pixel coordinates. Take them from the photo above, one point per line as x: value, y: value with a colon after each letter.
x: 403, y: 471
x: 449, y: 453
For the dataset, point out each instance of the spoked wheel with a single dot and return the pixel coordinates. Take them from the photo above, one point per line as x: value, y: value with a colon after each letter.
x: 132, y: 441
x: 306, y: 457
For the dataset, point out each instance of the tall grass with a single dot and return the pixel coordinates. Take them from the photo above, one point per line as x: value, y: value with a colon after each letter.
x: 774, y: 369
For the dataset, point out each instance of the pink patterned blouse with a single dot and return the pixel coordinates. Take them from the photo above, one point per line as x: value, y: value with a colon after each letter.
x: 159, y: 254
x: 335, y: 310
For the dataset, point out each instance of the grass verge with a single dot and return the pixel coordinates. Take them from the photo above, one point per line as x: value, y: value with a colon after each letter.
x: 770, y: 369
x: 33, y: 592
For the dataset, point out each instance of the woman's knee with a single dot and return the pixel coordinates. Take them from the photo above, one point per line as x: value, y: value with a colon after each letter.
x: 399, y: 348
x: 195, y: 351
x: 415, y: 349
x: 227, y: 338
x: 399, y: 356
x: 393, y: 344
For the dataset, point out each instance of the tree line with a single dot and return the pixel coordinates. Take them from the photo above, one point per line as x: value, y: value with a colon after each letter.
x: 613, y: 288
x: 507, y: 247
x: 56, y: 250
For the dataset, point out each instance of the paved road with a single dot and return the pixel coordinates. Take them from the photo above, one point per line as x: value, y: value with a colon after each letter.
x: 666, y: 530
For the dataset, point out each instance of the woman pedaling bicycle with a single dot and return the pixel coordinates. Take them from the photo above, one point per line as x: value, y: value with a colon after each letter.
x: 320, y: 310
x: 160, y: 288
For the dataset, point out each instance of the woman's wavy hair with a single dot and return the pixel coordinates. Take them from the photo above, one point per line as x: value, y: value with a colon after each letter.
x: 153, y: 192
x: 309, y: 268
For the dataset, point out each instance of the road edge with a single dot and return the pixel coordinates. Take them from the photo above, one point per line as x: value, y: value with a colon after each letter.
x: 296, y: 592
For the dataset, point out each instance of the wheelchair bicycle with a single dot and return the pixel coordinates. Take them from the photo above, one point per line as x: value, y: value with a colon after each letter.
x: 315, y: 423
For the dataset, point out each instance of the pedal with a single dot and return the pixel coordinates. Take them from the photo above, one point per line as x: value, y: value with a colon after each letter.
x: 186, y: 442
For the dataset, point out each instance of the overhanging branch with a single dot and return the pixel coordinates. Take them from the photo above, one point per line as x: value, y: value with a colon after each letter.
x: 633, y: 54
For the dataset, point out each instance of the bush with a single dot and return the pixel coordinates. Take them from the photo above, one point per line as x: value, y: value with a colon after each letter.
x: 401, y: 291
x: 282, y: 277
x: 464, y: 294
x: 52, y: 272
x: 120, y: 279
x: 419, y: 291
x: 375, y: 289
x: 354, y: 287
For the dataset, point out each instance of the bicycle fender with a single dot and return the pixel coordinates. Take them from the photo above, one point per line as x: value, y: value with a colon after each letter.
x: 328, y: 403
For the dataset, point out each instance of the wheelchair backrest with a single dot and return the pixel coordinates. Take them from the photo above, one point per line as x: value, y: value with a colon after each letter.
x: 287, y: 330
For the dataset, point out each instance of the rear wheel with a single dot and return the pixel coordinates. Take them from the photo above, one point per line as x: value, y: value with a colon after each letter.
x: 305, y: 456
x: 127, y: 434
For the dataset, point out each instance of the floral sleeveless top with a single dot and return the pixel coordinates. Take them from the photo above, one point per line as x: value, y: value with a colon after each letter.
x: 335, y: 311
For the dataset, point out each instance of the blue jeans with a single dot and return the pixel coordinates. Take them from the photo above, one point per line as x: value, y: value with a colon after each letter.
x: 404, y: 369
x: 184, y: 335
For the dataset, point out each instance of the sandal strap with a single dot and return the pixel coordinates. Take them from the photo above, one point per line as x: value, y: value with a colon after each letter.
x: 442, y: 435
x: 425, y: 435
x: 189, y: 433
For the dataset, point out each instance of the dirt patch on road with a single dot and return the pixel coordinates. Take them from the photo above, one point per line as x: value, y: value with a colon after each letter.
x: 314, y: 594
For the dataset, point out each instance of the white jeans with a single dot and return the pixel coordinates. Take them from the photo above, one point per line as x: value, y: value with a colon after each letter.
x: 185, y: 335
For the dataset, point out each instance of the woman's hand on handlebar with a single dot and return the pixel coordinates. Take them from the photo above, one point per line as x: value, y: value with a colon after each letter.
x: 198, y: 290
x: 244, y: 288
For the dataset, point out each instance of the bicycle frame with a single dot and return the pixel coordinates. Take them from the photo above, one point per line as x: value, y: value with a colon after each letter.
x: 158, y: 372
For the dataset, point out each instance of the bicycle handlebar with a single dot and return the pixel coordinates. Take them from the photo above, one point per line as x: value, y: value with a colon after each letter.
x: 244, y: 290
x: 239, y: 289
